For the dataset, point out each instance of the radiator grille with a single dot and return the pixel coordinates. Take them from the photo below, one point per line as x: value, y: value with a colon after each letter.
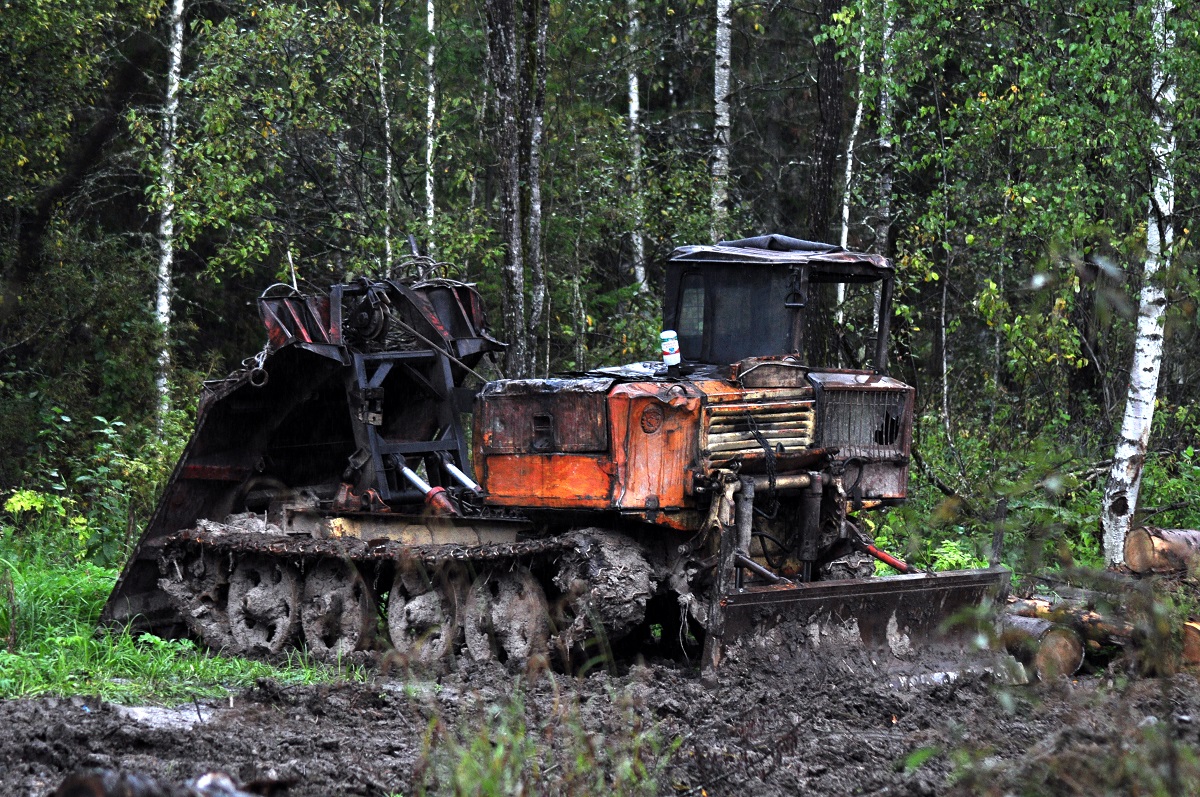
x: 783, y: 423
x: 866, y: 424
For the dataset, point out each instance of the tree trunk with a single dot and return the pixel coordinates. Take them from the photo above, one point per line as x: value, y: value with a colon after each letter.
x: 883, y: 214
x: 829, y: 97
x: 166, y: 214
x: 945, y: 359
x: 1125, y: 479
x: 1191, y: 643
x: 848, y: 182
x: 505, y: 79
x: 537, y: 19
x: 635, y: 151
x: 385, y: 110
x: 1088, y: 623
x: 1051, y: 649
x: 721, y: 125
x: 430, y: 125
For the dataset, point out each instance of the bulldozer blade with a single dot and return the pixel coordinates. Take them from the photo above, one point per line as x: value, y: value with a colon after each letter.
x: 905, y: 625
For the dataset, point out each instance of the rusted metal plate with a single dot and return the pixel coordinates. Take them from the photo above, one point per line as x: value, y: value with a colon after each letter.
x: 657, y: 425
x: 551, y: 481
x: 894, y: 619
x: 544, y: 416
x: 784, y: 370
x: 297, y: 318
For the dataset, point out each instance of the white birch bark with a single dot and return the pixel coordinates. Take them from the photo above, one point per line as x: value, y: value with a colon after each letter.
x: 1125, y: 479
x: 385, y: 109
x: 883, y: 209
x: 533, y: 223
x: 635, y: 149
x: 166, y: 214
x: 430, y: 126
x: 721, y: 125
x: 848, y: 182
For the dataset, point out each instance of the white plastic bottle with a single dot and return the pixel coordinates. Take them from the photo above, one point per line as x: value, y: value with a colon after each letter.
x: 670, y: 347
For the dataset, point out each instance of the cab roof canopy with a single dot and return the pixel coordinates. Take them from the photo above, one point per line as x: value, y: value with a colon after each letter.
x: 826, y: 262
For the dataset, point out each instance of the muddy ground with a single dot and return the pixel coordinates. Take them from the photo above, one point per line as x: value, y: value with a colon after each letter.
x: 821, y: 730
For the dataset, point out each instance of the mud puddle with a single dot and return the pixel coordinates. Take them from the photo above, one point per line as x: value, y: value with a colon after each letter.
x: 818, y: 731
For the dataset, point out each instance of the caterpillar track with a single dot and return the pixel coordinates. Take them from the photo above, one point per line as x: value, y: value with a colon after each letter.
x: 246, y: 587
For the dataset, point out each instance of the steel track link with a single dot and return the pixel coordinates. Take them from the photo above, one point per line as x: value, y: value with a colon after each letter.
x: 217, y: 538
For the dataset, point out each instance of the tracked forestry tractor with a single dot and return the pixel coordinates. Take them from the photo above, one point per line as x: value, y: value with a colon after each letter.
x: 334, y: 497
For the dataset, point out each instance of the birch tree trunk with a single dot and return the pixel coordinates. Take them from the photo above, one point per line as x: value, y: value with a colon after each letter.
x: 721, y: 125
x: 850, y: 144
x: 166, y: 214
x: 635, y: 151
x: 1125, y: 479
x: 430, y: 125
x: 537, y: 16
x: 848, y: 182
x: 385, y: 109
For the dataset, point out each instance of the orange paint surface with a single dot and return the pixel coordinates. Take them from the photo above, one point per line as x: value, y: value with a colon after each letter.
x: 655, y: 428
x: 548, y: 480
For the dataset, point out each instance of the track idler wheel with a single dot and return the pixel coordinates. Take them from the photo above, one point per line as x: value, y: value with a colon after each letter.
x: 264, y: 605
x: 507, y: 617
x: 425, y: 608
x: 338, y: 611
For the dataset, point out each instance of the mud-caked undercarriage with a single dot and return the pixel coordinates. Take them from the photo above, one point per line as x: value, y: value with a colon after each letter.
x: 246, y: 586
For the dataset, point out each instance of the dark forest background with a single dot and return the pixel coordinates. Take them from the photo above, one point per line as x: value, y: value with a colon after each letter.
x: 1001, y: 152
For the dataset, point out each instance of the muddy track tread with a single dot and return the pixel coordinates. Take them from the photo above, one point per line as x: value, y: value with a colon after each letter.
x: 214, y: 537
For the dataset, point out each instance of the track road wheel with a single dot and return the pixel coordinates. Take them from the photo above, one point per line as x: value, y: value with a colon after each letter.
x: 425, y: 612
x: 264, y: 604
x: 197, y: 585
x: 507, y: 617
x: 338, y: 610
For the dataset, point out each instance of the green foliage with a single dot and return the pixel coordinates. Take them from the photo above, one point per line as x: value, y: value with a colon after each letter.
x: 87, y: 498
x: 274, y: 151
x: 1051, y: 491
x: 503, y: 755
x: 49, y: 643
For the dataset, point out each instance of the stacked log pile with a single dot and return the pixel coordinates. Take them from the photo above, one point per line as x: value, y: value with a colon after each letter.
x: 1150, y: 550
x: 1054, y: 635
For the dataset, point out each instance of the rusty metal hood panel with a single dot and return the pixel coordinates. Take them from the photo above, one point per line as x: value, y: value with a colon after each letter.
x: 531, y: 387
x: 654, y: 370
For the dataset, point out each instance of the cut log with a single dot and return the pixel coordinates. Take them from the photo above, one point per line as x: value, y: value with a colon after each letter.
x: 1150, y: 549
x: 1050, y: 649
x: 1191, y: 643
x: 1088, y: 623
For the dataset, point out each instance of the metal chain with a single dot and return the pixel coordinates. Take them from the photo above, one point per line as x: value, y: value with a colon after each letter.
x: 769, y: 456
